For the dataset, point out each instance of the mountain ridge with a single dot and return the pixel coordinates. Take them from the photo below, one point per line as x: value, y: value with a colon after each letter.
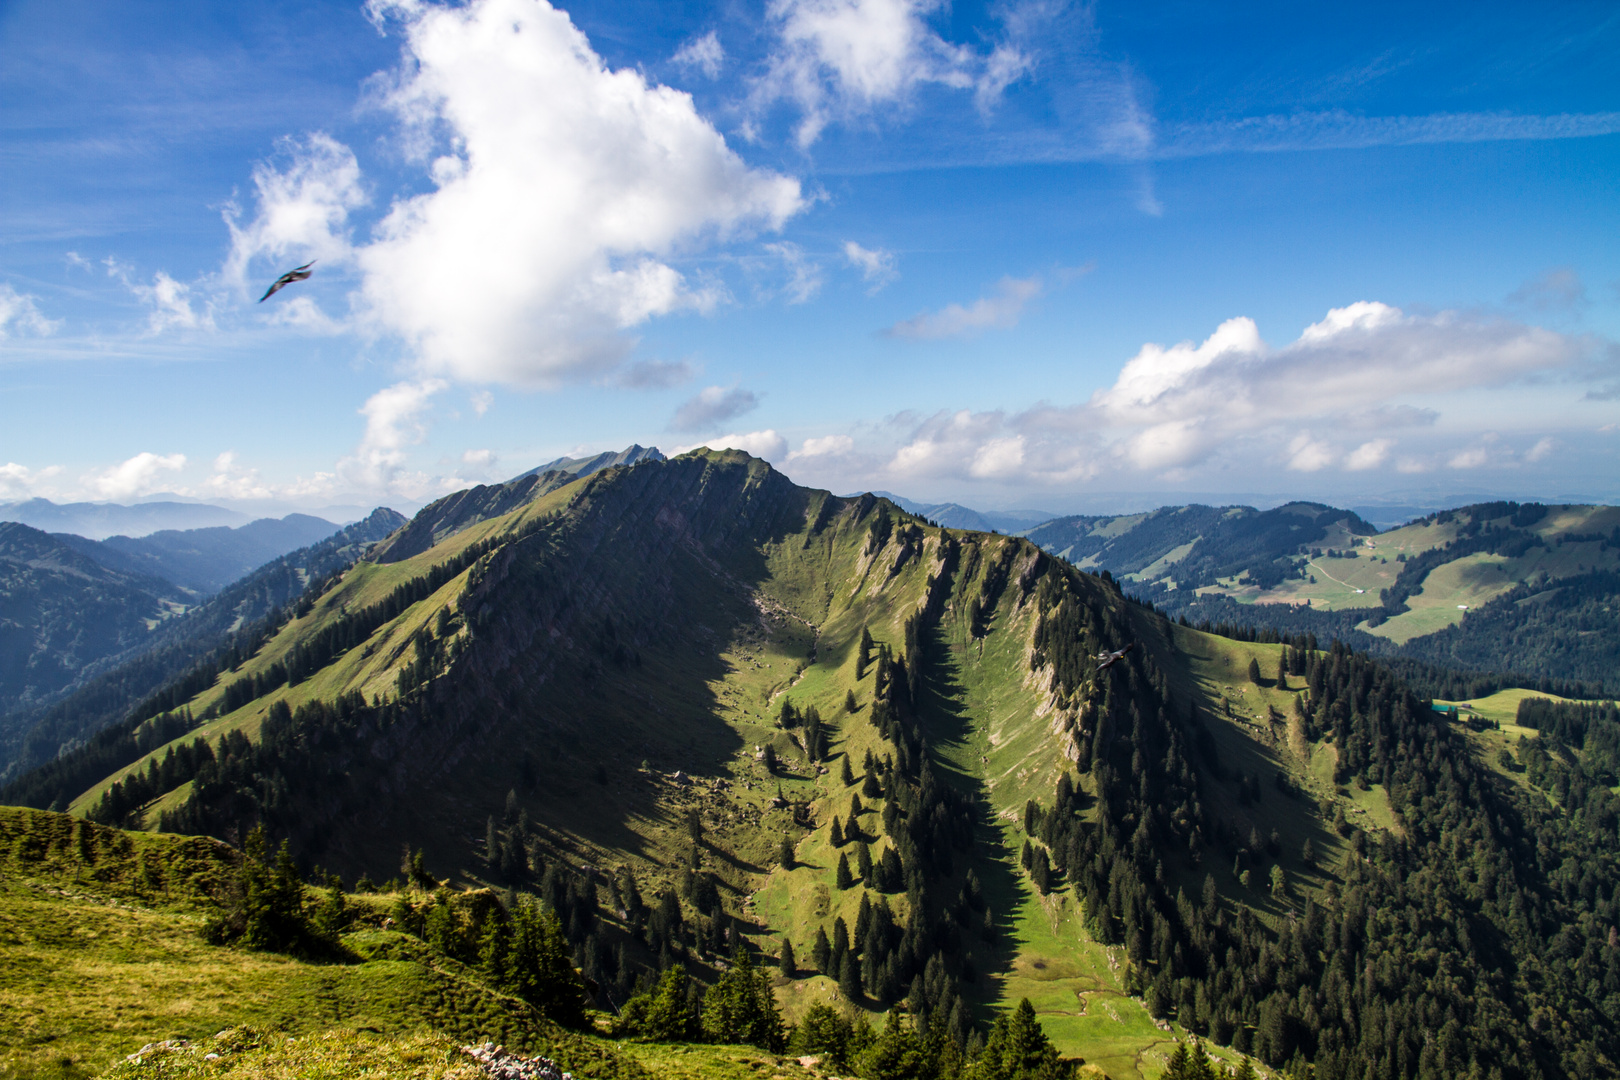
x: 697, y: 681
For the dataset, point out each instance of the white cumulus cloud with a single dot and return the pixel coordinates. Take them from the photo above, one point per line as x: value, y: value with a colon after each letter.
x: 561, y: 190
x: 1352, y: 369
x: 140, y: 475
x: 1369, y: 455
x: 20, y: 482
x: 823, y: 447
x: 1306, y: 454
x: 1338, y: 397
x: 233, y: 481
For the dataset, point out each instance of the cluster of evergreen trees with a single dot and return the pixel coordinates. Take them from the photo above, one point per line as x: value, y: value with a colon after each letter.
x: 1448, y: 950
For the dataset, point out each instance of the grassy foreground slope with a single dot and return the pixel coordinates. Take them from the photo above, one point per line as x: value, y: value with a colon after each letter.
x: 102, y: 952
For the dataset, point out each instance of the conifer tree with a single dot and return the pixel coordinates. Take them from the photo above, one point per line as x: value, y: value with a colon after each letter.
x: 836, y: 834
x: 787, y: 856
x: 669, y: 1019
x: 785, y: 961
x: 849, y: 979
x: 821, y: 951
x: 741, y: 1007
x: 843, y: 878
x: 845, y: 775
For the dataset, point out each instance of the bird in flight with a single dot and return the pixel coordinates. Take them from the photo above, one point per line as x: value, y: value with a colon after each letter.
x: 1105, y: 659
x: 300, y: 274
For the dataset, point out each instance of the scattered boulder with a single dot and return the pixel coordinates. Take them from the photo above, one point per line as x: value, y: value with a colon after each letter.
x: 150, y: 1048
x: 500, y: 1065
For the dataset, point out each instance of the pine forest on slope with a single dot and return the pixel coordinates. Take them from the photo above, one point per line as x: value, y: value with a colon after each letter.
x: 755, y: 712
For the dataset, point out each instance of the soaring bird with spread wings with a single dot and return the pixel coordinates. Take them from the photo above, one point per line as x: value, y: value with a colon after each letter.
x: 1105, y: 659
x: 300, y: 274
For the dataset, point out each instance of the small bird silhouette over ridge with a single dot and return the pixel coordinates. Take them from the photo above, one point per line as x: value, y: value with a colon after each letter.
x: 300, y: 274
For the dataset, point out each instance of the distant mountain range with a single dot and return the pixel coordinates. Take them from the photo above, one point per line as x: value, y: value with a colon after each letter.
x: 70, y: 606
x: 101, y: 520
x: 957, y: 516
x: 204, y: 561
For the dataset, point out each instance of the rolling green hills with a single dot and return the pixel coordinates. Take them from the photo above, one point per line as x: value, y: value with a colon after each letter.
x: 1526, y: 590
x: 691, y: 705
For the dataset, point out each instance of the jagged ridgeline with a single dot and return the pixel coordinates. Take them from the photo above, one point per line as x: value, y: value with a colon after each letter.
x: 693, y: 706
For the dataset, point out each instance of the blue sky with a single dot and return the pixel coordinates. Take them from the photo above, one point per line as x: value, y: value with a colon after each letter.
x: 1008, y: 254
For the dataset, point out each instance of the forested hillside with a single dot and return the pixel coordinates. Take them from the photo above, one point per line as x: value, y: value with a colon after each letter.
x: 229, y: 624
x: 61, y: 612
x: 693, y: 708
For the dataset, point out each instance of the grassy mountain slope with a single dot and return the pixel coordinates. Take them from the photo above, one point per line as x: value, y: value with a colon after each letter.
x: 598, y: 672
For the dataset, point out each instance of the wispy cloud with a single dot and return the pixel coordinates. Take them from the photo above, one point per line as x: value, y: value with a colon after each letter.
x: 713, y: 406
x: 1340, y: 130
x: 654, y: 374
x: 877, y: 266
x: 841, y: 59
x: 304, y: 199
x: 999, y: 310
x: 20, y: 313
x: 394, y: 422
x: 804, y: 279
x: 1559, y: 289
x: 703, y: 53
